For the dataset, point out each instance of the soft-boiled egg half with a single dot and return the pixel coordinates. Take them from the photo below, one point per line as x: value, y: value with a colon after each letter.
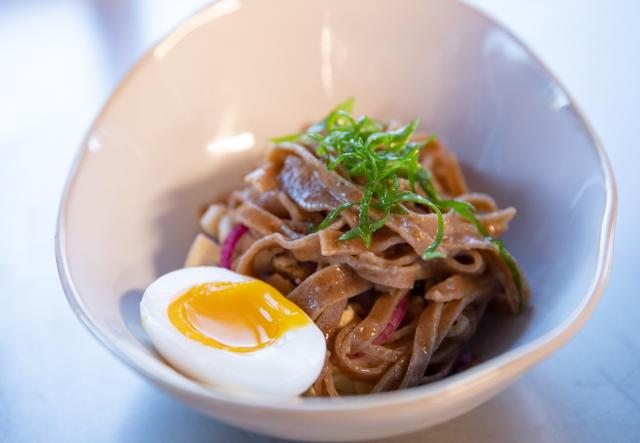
x: 232, y: 332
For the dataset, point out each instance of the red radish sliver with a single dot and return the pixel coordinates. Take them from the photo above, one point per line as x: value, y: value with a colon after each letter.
x: 229, y: 245
x: 396, y: 318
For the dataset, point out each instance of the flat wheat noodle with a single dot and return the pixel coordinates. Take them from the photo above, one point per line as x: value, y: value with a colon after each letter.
x: 328, y: 277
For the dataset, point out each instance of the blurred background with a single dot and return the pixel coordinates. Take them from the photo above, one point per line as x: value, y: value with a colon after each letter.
x: 60, y: 60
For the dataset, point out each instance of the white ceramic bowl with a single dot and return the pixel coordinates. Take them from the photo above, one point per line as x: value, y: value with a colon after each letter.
x: 194, y: 115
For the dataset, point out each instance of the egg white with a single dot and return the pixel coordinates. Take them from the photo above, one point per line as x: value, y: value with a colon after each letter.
x: 286, y: 368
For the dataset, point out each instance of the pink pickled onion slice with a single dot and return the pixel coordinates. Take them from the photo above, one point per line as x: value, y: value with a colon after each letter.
x: 229, y: 245
x: 465, y: 361
x: 396, y: 318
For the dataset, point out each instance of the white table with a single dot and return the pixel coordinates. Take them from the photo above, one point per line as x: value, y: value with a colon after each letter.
x: 58, y: 62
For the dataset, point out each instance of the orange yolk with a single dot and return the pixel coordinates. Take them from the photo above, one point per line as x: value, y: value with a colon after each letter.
x: 238, y: 317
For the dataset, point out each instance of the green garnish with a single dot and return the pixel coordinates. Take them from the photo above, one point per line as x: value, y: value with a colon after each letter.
x: 331, y: 217
x: 368, y: 153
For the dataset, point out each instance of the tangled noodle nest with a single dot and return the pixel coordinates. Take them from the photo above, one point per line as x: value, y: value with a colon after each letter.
x: 392, y: 320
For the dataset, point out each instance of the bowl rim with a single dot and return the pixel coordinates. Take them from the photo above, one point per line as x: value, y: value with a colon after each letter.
x: 511, y: 363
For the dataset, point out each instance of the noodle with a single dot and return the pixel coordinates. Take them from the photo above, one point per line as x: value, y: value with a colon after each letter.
x: 436, y: 304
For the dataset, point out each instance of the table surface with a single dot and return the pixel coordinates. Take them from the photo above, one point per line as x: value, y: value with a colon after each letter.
x: 59, y: 61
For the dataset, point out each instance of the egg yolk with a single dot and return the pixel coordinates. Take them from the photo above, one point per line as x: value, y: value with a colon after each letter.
x: 238, y: 317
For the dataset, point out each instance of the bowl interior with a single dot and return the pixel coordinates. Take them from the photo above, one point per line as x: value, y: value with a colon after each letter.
x: 195, y: 114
